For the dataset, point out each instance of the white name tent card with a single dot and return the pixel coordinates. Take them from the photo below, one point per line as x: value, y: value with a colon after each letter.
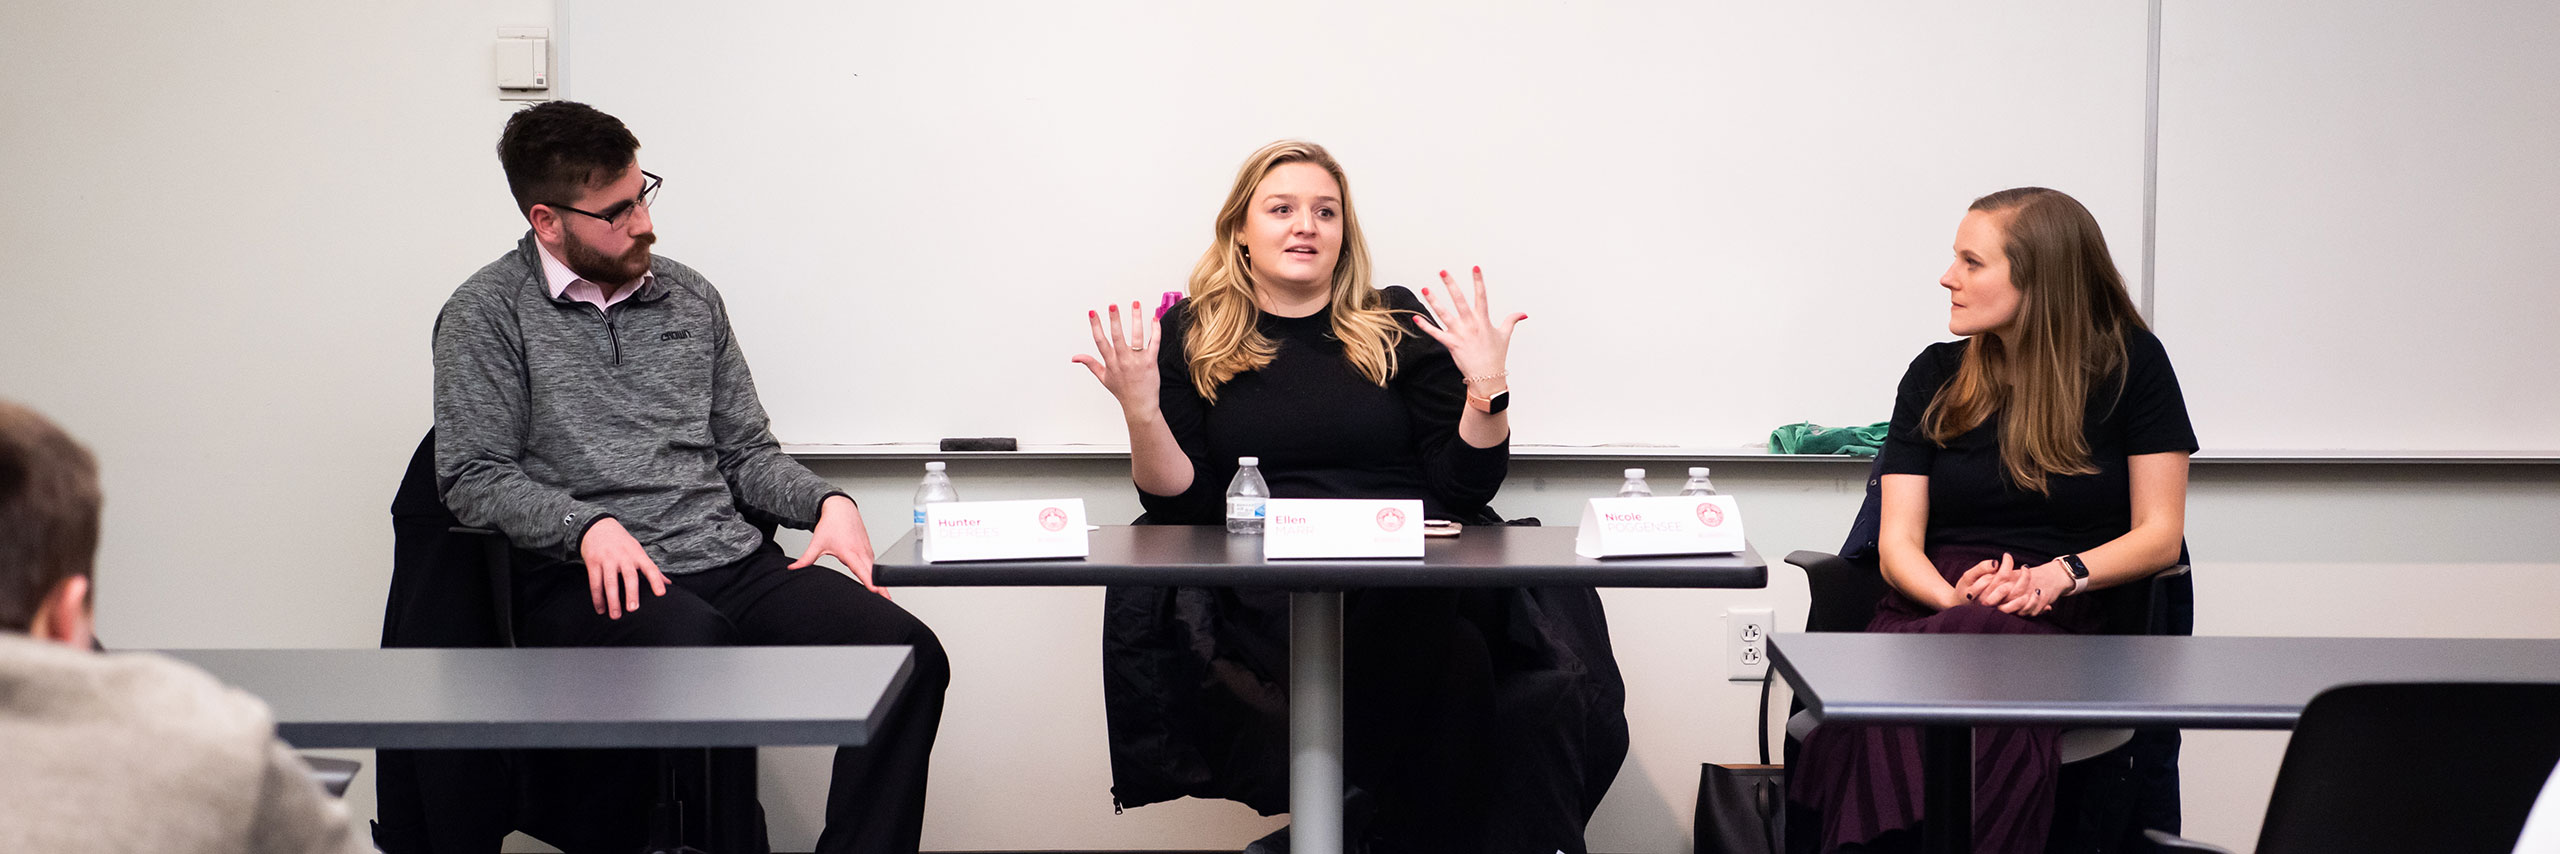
x: 1341, y: 527
x: 1003, y: 530
x: 1684, y: 525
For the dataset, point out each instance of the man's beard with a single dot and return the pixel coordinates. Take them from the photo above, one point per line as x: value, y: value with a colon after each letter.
x: 607, y: 270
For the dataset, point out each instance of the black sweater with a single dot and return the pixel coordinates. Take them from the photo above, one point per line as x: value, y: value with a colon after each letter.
x: 2137, y: 411
x: 1321, y: 429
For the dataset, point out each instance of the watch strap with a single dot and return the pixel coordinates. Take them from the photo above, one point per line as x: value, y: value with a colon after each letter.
x: 2079, y: 573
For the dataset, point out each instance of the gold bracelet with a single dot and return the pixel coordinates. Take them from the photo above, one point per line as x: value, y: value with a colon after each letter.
x: 1473, y: 380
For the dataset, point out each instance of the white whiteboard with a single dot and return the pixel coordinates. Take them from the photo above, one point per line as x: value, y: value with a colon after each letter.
x: 2360, y: 222
x: 1720, y: 217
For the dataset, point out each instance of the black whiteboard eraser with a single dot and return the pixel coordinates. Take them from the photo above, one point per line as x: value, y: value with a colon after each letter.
x: 995, y: 443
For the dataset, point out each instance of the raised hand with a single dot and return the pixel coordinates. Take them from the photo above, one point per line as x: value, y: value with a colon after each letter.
x: 1127, y: 364
x: 1480, y: 345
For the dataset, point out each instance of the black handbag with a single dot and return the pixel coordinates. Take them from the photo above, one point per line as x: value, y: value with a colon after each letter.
x: 1742, y: 808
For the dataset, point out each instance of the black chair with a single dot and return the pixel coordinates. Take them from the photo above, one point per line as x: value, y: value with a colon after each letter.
x: 452, y: 585
x: 2443, y: 768
x: 2113, y: 782
x: 2542, y: 826
x: 669, y: 818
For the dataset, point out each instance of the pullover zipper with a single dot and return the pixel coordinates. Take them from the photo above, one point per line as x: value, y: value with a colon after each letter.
x: 612, y: 336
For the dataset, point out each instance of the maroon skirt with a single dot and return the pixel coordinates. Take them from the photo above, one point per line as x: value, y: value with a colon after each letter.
x: 1864, y: 781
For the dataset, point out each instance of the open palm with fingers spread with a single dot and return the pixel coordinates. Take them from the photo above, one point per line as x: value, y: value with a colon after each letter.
x: 1127, y: 364
x: 1479, y: 344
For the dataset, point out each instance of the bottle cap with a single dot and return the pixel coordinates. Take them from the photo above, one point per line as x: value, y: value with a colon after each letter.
x: 1697, y: 471
x: 1248, y: 461
x: 933, y: 466
x: 1635, y: 473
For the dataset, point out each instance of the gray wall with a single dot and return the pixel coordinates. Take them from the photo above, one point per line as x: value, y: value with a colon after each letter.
x: 229, y: 227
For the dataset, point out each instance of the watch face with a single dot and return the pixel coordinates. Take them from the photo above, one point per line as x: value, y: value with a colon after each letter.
x: 1500, y: 401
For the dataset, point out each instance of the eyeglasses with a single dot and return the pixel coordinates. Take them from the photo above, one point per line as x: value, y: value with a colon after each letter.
x: 613, y: 215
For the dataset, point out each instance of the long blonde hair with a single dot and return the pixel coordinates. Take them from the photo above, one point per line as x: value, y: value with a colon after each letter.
x: 1224, y: 341
x: 2068, y: 335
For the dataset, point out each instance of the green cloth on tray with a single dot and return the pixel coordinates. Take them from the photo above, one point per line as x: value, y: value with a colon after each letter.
x: 1811, y: 438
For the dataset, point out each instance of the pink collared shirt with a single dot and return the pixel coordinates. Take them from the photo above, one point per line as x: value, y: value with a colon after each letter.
x: 566, y: 283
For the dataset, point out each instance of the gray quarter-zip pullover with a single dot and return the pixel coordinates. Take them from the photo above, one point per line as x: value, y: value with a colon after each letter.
x: 552, y: 414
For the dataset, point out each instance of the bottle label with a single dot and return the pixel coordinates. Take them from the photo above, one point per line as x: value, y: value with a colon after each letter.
x: 919, y: 514
x: 1244, y: 508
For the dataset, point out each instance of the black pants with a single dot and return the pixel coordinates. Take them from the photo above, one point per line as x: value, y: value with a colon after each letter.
x: 1419, y: 718
x: 1466, y: 725
x: 875, y: 804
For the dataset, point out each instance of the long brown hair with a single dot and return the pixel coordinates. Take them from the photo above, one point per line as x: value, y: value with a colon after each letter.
x: 2067, y: 337
x: 1224, y: 341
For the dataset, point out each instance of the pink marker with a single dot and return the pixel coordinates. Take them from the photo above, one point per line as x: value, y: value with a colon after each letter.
x: 1170, y: 297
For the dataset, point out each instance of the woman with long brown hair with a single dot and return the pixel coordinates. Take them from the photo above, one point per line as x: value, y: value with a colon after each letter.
x: 1476, y: 720
x: 2041, y: 457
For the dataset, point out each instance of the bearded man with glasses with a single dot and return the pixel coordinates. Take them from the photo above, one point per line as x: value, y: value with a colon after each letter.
x: 592, y: 405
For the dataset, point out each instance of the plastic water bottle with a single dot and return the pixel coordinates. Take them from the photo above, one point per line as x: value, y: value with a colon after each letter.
x: 1635, y: 487
x: 1245, y: 496
x: 935, y: 488
x: 1698, y: 483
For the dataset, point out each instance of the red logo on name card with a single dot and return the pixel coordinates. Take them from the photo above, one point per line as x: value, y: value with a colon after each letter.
x: 1053, y: 519
x: 1711, y: 515
x: 1391, y: 520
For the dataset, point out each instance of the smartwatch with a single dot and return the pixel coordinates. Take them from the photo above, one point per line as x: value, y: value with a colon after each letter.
x: 2079, y: 573
x: 1494, y: 405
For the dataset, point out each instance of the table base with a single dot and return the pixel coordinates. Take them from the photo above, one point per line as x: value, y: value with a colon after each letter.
x: 1315, y: 722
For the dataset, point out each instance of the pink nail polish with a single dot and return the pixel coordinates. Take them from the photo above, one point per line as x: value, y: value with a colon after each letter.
x: 1479, y: 270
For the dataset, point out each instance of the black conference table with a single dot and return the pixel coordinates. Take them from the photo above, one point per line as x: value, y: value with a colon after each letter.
x: 1165, y: 555
x: 736, y: 696
x: 1949, y: 684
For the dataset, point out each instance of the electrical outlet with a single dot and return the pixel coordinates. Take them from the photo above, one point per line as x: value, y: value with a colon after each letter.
x: 1746, y: 644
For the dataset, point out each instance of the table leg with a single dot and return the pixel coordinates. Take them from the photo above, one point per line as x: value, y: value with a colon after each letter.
x: 1315, y: 722
x: 1946, y: 797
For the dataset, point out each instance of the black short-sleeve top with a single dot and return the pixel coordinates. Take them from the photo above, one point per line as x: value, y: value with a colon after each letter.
x: 1320, y: 428
x: 1971, y: 499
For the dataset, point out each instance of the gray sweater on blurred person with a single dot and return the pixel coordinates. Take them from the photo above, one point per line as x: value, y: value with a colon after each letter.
x: 552, y: 414
x: 135, y: 752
